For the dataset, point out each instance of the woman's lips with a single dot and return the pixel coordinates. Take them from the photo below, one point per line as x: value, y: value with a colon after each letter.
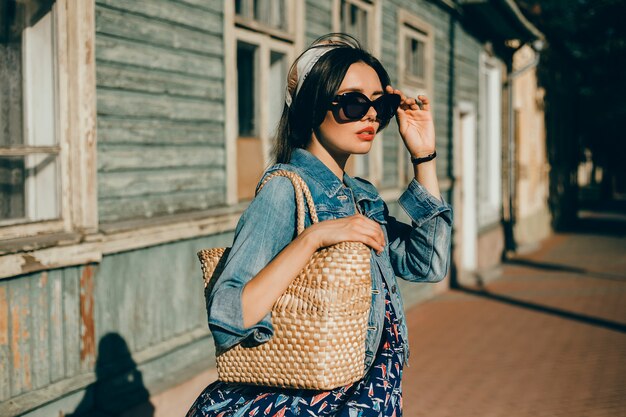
x: 366, y: 134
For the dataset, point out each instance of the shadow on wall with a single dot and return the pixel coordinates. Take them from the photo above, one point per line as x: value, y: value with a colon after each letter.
x: 119, y: 385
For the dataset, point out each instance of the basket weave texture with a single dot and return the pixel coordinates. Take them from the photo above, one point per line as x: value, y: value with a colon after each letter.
x: 320, y: 321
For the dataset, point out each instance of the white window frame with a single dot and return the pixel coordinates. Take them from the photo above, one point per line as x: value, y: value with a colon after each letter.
x: 266, y: 39
x: 291, y: 13
x: 75, y: 126
x: 412, y: 26
x: 374, y: 15
x: 374, y: 12
x: 490, y: 141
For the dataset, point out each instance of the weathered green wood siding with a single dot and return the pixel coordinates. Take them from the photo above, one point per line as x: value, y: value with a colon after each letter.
x: 39, y: 331
x: 318, y: 17
x: 160, y: 98
x: 53, y: 324
x: 439, y: 19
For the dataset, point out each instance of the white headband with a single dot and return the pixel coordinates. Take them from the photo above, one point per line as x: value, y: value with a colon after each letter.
x: 305, y: 63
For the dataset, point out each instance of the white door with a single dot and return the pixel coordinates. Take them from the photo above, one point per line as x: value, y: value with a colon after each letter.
x: 465, y: 195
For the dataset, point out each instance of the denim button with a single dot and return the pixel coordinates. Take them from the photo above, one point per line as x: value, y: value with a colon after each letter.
x: 394, y: 289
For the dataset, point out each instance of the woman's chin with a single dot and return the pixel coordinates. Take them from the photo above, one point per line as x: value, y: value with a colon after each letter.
x: 363, y: 148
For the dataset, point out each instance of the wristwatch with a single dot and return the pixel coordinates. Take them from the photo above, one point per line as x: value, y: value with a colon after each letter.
x: 416, y: 161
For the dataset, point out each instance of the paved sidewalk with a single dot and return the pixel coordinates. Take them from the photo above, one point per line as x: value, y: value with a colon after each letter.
x: 548, y: 338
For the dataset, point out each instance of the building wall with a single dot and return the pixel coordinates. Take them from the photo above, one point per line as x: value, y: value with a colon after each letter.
x: 160, y: 103
x: 64, y: 330
x: 532, y: 168
x: 318, y: 18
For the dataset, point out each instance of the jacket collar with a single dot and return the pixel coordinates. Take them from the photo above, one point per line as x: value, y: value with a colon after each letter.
x: 327, y: 180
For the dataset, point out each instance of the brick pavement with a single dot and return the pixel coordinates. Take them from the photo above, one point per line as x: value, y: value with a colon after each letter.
x: 548, y: 338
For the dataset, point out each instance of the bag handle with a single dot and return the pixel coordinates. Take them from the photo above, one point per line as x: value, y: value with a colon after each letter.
x: 301, y: 189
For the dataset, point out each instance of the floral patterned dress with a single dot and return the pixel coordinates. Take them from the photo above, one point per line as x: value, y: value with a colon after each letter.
x: 377, y: 394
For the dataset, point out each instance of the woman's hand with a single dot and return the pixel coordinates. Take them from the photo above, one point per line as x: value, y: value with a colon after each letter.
x: 356, y: 228
x: 415, y: 125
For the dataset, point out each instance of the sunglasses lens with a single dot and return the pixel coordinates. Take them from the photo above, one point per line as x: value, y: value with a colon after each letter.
x: 355, y: 107
x: 386, y: 106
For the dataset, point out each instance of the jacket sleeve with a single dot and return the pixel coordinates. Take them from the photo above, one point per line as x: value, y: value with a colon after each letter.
x: 264, y: 229
x: 421, y: 251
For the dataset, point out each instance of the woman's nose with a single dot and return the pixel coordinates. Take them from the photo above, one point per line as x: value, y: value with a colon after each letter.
x: 371, y: 114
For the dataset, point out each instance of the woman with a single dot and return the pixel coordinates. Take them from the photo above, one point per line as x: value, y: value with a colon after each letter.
x: 338, y: 98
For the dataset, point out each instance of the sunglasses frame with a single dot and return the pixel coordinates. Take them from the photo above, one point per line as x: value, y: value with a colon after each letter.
x: 340, y: 101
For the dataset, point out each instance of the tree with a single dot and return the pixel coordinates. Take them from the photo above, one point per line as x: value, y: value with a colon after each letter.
x: 582, y: 70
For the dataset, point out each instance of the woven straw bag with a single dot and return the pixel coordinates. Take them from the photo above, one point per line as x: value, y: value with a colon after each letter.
x: 320, y: 322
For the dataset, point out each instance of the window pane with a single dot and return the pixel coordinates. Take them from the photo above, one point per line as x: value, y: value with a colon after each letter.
x: 415, y: 57
x: 270, y: 13
x: 12, y: 179
x: 362, y: 28
x: 277, y: 85
x: 239, y: 7
x: 28, y: 184
x: 10, y: 76
x: 261, y: 10
x: 11, y: 94
x: 246, y: 87
x: 277, y: 17
x: 38, y: 74
x: 354, y: 21
x: 42, y: 191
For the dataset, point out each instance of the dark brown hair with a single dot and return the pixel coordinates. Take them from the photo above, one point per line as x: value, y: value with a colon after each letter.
x: 309, y: 107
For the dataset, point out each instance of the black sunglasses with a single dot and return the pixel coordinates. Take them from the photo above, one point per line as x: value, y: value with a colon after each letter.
x: 355, y: 105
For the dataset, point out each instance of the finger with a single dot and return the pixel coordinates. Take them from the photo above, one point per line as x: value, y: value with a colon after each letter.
x: 373, y: 230
x: 398, y: 92
x: 413, y: 104
x: 425, y: 102
x: 372, y: 243
x: 371, y: 226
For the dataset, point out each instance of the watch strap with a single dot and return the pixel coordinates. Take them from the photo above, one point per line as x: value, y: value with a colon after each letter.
x: 426, y: 158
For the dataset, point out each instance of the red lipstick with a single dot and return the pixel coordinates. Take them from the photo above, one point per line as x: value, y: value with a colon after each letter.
x: 367, y: 133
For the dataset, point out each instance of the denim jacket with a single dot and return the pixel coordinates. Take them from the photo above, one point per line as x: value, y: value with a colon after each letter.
x: 418, y: 252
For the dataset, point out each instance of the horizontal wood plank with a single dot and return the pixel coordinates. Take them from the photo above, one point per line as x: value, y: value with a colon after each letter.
x: 152, y: 57
x: 213, y: 5
x: 134, y: 104
x: 126, y: 77
x: 119, y: 23
x: 113, y: 158
x: 186, y: 15
x: 112, y: 129
x: 155, y: 182
x: 115, y: 209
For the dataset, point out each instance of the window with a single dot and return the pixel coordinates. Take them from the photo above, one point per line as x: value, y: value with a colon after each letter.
x: 40, y: 63
x: 29, y: 161
x: 268, y: 13
x: 358, y: 18
x: 264, y: 46
x: 415, y: 56
x: 489, y: 143
x: 416, y: 61
x: 415, y: 68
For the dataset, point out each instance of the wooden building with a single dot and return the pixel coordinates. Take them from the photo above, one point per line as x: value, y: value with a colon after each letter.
x: 132, y: 134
